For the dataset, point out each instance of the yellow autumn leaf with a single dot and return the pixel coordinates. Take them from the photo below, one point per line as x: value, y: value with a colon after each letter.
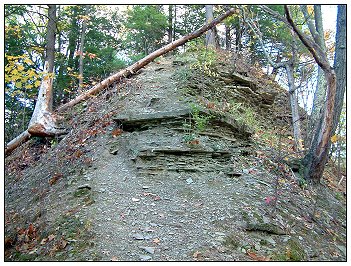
x: 27, y: 61
x: 310, y: 9
x: 37, y: 83
x: 20, y: 67
x: 334, y: 138
x: 18, y: 84
x: 14, y: 72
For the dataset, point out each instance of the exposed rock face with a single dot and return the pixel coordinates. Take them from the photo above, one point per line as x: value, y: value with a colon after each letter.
x: 159, y: 144
x: 163, y: 136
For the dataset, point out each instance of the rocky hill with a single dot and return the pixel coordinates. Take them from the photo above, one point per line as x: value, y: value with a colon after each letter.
x: 185, y: 161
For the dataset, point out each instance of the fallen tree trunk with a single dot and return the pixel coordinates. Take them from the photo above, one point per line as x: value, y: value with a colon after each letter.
x: 13, y: 144
x: 25, y: 136
x: 146, y: 60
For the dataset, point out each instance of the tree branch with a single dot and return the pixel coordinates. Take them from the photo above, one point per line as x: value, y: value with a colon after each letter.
x: 311, y: 45
x: 275, y: 15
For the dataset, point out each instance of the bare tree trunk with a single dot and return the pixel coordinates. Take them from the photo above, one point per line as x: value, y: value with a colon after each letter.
x: 227, y: 38
x: 340, y: 64
x: 174, y: 22
x: 72, y: 37
x: 211, y: 34
x: 317, y: 33
x: 294, y: 106
x: 81, y: 53
x: 170, y: 23
x: 238, y: 35
x: 315, y: 159
x: 43, y: 123
x: 19, y: 140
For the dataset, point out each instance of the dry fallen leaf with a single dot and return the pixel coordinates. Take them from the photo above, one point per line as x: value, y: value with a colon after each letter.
x: 156, y: 241
x: 62, y: 244
x: 114, y: 258
x: 31, y: 229
x: 157, y: 198
x: 196, y: 254
x: 253, y: 256
x: 51, y: 237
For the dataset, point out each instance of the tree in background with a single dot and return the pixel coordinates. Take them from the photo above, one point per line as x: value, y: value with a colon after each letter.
x: 316, y: 158
x: 316, y: 30
x: 145, y: 30
x: 211, y: 34
x: 280, y: 42
x: 24, y: 42
x: 84, y: 19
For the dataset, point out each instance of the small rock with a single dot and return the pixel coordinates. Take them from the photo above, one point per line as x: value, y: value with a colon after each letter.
x: 246, y: 171
x: 270, y: 240
x: 145, y: 257
x: 85, y: 186
x: 138, y: 236
x: 342, y: 249
x: 189, y: 181
x: 146, y: 187
x: 150, y: 250
x: 266, y: 219
x: 114, y: 152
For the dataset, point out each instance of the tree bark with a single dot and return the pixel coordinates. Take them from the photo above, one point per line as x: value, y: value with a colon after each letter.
x: 72, y: 37
x: 294, y: 106
x: 174, y: 22
x: 340, y: 64
x: 315, y: 159
x: 81, y: 55
x: 170, y: 23
x: 146, y: 60
x: 211, y: 34
x: 317, y: 33
x: 227, y: 38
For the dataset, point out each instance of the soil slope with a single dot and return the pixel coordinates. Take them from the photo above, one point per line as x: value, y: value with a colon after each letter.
x: 155, y: 169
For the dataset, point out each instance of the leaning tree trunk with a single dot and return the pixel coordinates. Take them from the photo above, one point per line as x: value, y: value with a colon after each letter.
x: 316, y: 158
x: 125, y: 73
